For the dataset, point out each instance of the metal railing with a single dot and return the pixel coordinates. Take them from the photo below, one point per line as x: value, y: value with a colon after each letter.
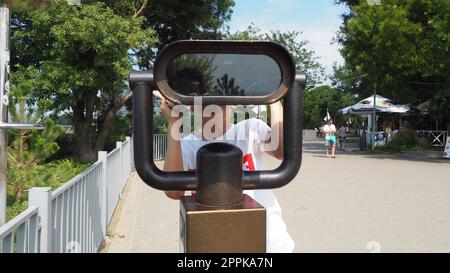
x: 74, y: 217
x: 21, y: 233
x: 119, y: 171
x: 159, y: 146
x: 77, y: 213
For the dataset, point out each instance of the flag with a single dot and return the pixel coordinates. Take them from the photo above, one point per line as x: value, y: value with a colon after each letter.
x: 328, y: 117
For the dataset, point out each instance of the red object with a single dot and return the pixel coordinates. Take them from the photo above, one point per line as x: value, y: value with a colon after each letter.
x: 248, y: 163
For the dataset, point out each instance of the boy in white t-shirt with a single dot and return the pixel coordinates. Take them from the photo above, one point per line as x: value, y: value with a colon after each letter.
x: 330, y: 137
x: 249, y: 135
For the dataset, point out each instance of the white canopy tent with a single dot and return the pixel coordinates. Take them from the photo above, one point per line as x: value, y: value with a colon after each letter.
x: 365, y: 107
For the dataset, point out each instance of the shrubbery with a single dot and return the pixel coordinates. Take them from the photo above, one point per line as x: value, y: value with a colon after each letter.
x: 51, y: 174
x: 404, y: 140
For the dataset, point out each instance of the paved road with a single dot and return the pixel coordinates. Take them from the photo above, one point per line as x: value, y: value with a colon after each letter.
x: 354, y: 203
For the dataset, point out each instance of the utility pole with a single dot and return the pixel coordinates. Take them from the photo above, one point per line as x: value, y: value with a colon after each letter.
x: 4, y: 93
x: 374, y: 116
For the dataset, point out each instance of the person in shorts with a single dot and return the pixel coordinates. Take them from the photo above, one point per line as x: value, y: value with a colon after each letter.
x: 330, y: 137
x: 342, y: 135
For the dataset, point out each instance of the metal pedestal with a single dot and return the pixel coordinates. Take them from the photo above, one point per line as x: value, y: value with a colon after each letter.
x: 236, y: 229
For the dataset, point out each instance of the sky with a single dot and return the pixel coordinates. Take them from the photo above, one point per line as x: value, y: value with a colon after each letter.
x: 319, y: 21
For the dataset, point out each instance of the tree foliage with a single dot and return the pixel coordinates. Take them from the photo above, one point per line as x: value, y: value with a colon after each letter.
x: 52, y: 174
x: 403, y: 47
x: 175, y: 20
x: 28, y: 148
x: 79, y: 56
x: 25, y: 5
x: 317, y: 99
x: 305, y: 59
x: 321, y: 98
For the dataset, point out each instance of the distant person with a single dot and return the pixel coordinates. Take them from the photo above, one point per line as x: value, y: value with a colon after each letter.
x: 318, y: 132
x: 342, y: 134
x: 330, y: 137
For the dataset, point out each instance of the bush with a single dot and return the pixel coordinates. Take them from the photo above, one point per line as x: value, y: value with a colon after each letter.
x: 56, y: 173
x: 15, y: 209
x: 52, y: 174
x: 404, y: 140
x: 67, y: 147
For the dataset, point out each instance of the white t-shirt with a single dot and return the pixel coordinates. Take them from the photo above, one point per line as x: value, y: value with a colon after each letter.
x: 248, y: 135
x: 329, y: 129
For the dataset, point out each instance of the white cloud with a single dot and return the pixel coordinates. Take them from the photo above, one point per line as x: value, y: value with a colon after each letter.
x: 320, y: 35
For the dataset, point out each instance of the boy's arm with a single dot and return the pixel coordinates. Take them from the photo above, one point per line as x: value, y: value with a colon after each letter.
x: 174, y: 161
x: 276, y: 123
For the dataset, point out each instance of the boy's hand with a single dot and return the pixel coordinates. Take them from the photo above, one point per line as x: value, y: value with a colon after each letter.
x: 277, y: 106
x: 276, y: 122
x: 165, y: 106
x: 175, y: 195
x: 173, y: 162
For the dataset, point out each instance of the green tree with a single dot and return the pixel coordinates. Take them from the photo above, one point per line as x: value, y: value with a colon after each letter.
x: 305, y: 59
x: 23, y: 5
x: 29, y: 147
x: 403, y: 48
x: 174, y: 20
x: 81, y: 56
x: 321, y: 98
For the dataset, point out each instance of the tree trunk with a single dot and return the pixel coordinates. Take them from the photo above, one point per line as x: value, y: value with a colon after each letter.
x: 82, y: 132
x: 105, y: 122
x: 82, y: 140
x: 90, y: 138
x: 141, y: 9
x: 19, y: 194
x: 21, y: 148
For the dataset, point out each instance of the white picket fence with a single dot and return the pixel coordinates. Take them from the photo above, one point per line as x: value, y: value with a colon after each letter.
x: 74, y: 217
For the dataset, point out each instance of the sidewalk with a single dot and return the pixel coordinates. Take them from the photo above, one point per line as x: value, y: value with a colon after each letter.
x: 144, y: 221
x: 354, y: 203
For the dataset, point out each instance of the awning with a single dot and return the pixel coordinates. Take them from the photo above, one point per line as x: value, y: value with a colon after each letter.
x: 365, y: 107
